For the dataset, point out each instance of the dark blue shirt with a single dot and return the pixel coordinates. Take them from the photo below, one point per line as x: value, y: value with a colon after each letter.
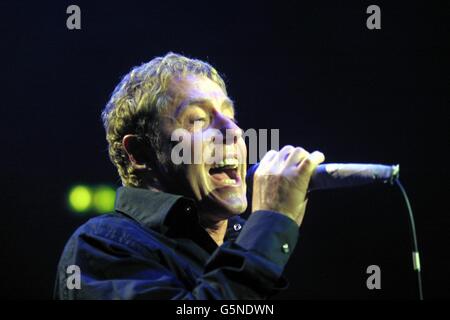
x: 152, y: 247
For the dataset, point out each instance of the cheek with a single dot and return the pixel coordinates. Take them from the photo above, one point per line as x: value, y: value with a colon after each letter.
x: 242, y: 150
x: 198, y: 179
x: 201, y: 148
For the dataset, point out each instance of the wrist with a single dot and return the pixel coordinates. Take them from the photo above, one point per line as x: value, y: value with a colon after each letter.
x: 294, y: 214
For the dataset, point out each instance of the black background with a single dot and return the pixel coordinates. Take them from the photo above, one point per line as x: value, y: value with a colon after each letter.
x: 313, y: 70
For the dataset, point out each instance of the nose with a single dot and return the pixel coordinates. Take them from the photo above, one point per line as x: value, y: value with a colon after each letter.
x: 228, y: 128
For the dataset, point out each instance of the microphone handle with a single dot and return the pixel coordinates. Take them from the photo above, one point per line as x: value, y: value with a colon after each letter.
x: 339, y: 175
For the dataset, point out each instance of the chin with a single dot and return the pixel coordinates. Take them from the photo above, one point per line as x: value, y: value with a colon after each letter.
x: 221, y: 210
x: 231, y: 199
x: 226, y: 202
x: 232, y: 206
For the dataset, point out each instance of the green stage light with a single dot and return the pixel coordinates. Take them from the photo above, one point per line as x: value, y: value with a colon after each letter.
x: 80, y: 198
x: 103, y: 200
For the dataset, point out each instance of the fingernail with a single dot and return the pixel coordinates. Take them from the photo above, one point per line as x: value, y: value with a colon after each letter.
x: 318, y: 156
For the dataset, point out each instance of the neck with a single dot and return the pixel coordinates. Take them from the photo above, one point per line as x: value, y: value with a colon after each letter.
x: 215, y: 229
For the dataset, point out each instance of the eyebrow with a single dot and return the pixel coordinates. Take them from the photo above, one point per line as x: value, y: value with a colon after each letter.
x: 227, y: 103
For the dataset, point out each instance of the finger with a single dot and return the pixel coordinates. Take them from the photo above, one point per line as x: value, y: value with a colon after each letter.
x: 266, y: 161
x: 310, y: 163
x: 268, y: 157
x: 296, y: 156
x: 283, y: 154
x: 278, y: 162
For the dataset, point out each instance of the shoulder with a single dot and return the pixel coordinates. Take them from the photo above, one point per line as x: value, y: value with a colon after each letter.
x: 113, y: 230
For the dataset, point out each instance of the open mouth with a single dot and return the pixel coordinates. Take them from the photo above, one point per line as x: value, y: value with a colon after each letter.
x: 226, y: 172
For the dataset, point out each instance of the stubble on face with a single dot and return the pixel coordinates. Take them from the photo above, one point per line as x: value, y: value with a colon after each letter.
x: 220, y: 191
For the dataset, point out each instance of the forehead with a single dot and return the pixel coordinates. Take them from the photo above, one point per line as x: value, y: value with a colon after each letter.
x: 197, y: 90
x: 196, y: 87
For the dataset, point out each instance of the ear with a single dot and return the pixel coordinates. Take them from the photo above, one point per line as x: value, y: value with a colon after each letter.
x: 136, y: 150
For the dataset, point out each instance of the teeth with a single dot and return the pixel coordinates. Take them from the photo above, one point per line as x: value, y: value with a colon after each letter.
x: 229, y: 181
x: 230, y: 162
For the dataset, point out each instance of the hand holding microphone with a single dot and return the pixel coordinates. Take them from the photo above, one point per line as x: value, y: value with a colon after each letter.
x: 280, y: 182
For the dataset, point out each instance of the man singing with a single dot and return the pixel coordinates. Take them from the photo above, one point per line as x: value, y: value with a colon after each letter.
x: 176, y: 231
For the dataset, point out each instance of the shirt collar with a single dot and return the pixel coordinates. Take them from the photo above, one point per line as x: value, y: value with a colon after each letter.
x: 150, y: 208
x: 156, y: 210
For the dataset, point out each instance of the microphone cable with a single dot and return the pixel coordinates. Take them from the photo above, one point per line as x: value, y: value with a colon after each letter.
x: 415, y: 253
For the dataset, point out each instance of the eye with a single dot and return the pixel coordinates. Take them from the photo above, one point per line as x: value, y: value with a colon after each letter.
x: 196, y: 118
x: 198, y: 122
x: 200, y: 119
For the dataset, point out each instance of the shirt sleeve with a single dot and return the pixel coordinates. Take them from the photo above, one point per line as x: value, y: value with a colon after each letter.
x: 271, y: 235
x: 249, y: 268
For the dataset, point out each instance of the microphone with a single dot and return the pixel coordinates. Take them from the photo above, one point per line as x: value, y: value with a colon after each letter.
x: 341, y: 175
